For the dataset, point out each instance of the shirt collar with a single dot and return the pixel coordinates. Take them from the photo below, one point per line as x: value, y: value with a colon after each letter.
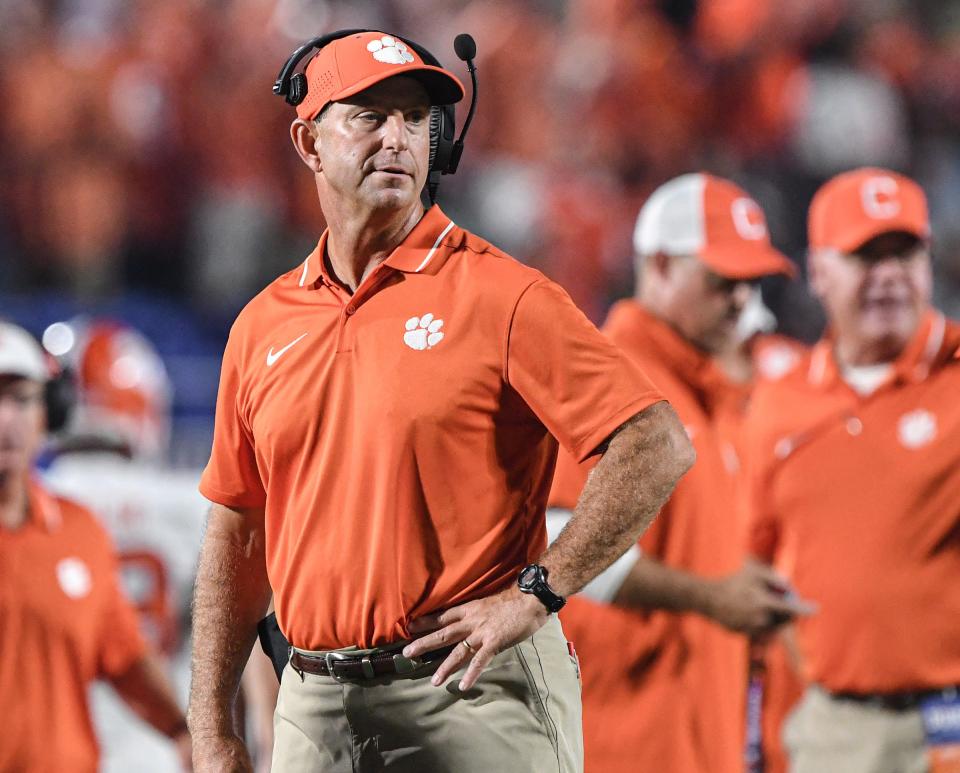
x: 43, y: 509
x: 422, y: 251
x: 914, y: 363
x: 691, y: 365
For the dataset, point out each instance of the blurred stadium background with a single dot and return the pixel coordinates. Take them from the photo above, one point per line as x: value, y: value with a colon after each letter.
x: 146, y: 172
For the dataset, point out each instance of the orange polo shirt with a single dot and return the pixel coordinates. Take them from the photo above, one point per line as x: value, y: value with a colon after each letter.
x: 858, y: 501
x: 401, y: 438
x: 63, y: 623
x: 662, y: 691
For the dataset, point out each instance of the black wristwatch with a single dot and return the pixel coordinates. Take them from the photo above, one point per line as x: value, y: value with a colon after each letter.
x: 533, y: 580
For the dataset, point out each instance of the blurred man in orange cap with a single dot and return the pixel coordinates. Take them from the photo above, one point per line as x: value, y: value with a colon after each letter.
x: 854, y: 475
x: 664, y: 656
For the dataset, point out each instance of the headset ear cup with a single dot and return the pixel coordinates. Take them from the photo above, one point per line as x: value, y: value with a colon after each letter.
x: 442, y: 128
x: 298, y: 89
x: 435, y: 119
x: 60, y: 396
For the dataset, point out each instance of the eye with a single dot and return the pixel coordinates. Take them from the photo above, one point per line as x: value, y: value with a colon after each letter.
x: 370, y: 118
x: 417, y: 117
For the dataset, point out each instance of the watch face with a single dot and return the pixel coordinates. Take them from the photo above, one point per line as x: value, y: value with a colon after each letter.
x: 528, y: 576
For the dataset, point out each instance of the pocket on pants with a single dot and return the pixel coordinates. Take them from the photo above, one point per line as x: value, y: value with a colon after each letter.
x: 538, y: 692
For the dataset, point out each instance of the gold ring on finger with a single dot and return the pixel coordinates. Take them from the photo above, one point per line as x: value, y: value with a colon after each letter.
x: 466, y: 644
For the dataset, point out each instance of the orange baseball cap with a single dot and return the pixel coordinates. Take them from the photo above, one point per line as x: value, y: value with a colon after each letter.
x: 854, y: 207
x: 349, y: 65
x: 714, y: 220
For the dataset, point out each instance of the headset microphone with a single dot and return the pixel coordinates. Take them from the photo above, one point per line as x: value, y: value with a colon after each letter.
x: 465, y: 48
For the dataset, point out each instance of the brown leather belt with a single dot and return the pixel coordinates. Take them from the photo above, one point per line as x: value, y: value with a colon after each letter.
x: 344, y: 666
x: 897, y: 701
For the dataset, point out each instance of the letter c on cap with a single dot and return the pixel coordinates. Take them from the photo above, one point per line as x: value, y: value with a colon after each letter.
x: 879, y: 196
x: 748, y: 219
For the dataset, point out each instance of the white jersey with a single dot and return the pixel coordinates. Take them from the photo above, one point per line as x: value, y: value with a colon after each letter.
x: 156, y: 518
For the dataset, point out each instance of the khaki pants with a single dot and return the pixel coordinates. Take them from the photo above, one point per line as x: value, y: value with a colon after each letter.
x: 523, y: 715
x: 831, y: 735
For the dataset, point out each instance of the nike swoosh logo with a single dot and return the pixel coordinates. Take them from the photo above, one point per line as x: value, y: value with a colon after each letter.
x: 273, y: 356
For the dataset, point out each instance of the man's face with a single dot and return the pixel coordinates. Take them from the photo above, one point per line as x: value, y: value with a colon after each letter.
x: 875, y: 296
x: 703, y: 305
x: 22, y: 423
x: 374, y: 147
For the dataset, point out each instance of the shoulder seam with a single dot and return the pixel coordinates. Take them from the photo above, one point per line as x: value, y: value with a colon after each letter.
x: 505, y: 372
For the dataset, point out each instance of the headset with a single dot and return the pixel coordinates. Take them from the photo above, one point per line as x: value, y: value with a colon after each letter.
x: 445, y: 153
x: 60, y: 396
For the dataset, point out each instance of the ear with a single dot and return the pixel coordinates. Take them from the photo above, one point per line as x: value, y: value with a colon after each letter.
x: 815, y: 272
x: 305, y: 140
x: 661, y: 264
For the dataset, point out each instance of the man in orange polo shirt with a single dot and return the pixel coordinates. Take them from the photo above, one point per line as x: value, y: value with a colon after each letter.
x: 386, y: 433
x: 63, y: 619
x: 673, y: 699
x: 854, y: 472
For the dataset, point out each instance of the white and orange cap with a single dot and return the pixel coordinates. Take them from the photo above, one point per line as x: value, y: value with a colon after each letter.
x: 713, y: 220
x: 21, y: 355
x: 347, y: 66
x: 854, y: 207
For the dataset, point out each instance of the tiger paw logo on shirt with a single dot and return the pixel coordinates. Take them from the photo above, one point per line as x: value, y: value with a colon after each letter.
x: 423, y: 332
x: 74, y: 577
x: 917, y: 428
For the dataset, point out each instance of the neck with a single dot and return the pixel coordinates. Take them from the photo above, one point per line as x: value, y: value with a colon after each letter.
x: 13, y: 500
x: 358, y: 243
x: 852, y: 353
x: 653, y: 305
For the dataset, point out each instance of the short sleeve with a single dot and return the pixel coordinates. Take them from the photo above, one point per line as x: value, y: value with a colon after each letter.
x: 122, y: 644
x: 570, y: 375
x: 232, y: 477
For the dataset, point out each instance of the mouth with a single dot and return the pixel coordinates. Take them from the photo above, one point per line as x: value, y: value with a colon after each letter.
x: 885, y: 302
x: 393, y: 170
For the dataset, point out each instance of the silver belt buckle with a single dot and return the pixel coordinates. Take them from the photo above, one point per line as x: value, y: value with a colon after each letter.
x: 332, y: 658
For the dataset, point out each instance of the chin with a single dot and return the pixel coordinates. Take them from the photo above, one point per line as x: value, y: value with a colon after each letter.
x: 13, y: 463
x: 393, y: 198
x: 892, y: 330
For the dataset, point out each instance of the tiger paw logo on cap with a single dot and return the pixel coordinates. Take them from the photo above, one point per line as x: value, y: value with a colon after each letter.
x: 389, y: 50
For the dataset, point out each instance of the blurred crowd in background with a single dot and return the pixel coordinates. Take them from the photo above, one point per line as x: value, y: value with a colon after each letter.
x: 147, y: 171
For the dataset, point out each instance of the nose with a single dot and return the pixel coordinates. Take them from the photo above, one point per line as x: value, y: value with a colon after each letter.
x: 9, y: 414
x: 889, y: 262
x: 741, y: 294
x: 395, y: 130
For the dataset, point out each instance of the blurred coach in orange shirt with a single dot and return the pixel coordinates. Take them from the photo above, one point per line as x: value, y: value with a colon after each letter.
x: 854, y: 473
x: 63, y: 619
x: 662, y: 690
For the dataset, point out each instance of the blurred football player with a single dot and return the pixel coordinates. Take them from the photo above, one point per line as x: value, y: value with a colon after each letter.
x: 112, y: 459
x: 64, y: 621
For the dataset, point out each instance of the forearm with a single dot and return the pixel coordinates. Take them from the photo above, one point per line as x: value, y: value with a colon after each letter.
x: 605, y: 586
x: 146, y: 689
x: 231, y: 595
x: 653, y: 585
x: 637, y: 473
